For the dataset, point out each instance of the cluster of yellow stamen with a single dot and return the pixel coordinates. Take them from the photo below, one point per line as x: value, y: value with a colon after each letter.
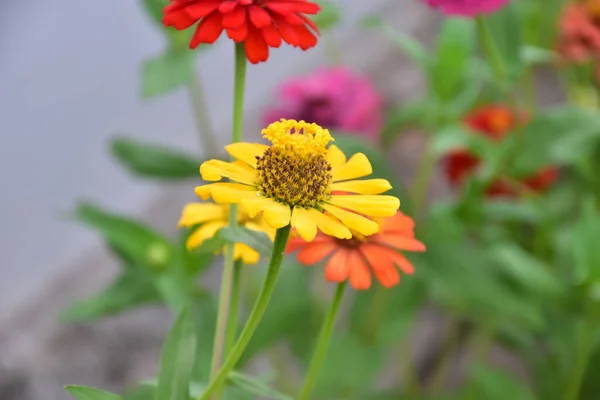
x: 294, y: 170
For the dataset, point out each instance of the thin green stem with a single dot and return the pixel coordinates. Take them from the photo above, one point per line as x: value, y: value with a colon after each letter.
x: 489, y: 45
x: 234, y: 307
x: 585, y: 345
x: 202, y: 116
x: 410, y: 379
x: 420, y: 185
x: 322, y: 344
x: 260, y: 305
x: 377, y: 310
x: 228, y: 267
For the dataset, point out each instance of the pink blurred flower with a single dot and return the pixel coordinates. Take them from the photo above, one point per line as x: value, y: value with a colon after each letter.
x: 334, y: 98
x: 467, y: 8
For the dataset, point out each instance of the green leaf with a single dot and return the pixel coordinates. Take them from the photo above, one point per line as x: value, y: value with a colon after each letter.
x: 562, y: 135
x: 535, y: 55
x: 167, y: 72
x: 204, y: 313
x: 413, y: 49
x: 128, y: 290
x: 132, y: 238
x: 529, y: 271
x: 89, y: 393
x: 456, y: 47
x: 505, y: 211
x: 177, y: 360
x: 492, y: 384
x: 258, y: 241
x: 585, y: 244
x: 255, y: 387
x: 328, y: 17
x: 154, y: 161
x: 505, y: 28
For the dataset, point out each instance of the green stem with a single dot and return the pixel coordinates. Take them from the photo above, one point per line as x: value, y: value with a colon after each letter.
x: 585, y: 345
x: 410, y: 379
x: 420, y: 185
x: 202, y: 116
x: 226, y: 282
x: 260, y: 305
x: 376, y: 313
x: 489, y: 45
x: 234, y: 307
x: 322, y: 344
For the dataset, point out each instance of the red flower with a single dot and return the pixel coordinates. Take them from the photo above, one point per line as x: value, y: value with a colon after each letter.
x: 260, y: 24
x: 495, y: 122
x: 355, y: 258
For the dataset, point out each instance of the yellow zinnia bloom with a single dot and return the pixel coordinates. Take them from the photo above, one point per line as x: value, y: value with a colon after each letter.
x: 212, y: 218
x: 295, y: 179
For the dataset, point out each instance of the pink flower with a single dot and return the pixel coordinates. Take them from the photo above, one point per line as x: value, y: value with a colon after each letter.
x: 467, y: 8
x: 334, y: 98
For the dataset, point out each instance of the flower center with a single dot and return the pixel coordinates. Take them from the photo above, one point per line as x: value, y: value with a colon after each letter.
x: 294, y: 170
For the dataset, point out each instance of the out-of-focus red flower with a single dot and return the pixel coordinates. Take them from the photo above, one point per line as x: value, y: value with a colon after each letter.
x: 259, y: 24
x: 355, y: 259
x: 579, y: 33
x: 495, y: 122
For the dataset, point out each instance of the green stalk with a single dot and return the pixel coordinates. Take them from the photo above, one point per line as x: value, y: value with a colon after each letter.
x: 585, y: 346
x: 202, y: 116
x: 226, y: 282
x: 322, y: 344
x: 491, y: 49
x: 260, y: 306
x: 234, y: 308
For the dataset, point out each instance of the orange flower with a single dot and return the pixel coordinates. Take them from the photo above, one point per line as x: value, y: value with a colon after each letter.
x: 259, y: 24
x: 355, y: 258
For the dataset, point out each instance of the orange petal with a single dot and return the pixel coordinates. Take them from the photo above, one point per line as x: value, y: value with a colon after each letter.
x: 360, y: 276
x: 398, y: 223
x: 400, y: 242
x: 403, y: 263
x: 315, y: 252
x: 338, y: 268
x: 382, y: 265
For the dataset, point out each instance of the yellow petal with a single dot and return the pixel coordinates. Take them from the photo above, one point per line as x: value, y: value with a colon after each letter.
x: 277, y: 215
x: 226, y: 193
x: 335, y: 156
x: 246, y: 152
x: 354, y: 221
x: 304, y: 224
x: 373, y: 206
x: 214, y: 170
x: 357, y: 166
x: 195, y: 213
x: 204, y: 232
x: 367, y: 186
x: 245, y: 253
x: 328, y: 225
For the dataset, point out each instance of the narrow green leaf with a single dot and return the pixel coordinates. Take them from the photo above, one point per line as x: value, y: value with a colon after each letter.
x: 154, y: 161
x: 136, y: 240
x: 177, y: 360
x: 259, y: 241
x: 404, y: 117
x: 585, y: 244
x: 456, y: 46
x: 89, y: 393
x: 167, y: 72
x: 128, y: 290
x: 328, y: 17
x: 505, y: 27
x: 255, y: 387
x: 492, y: 384
x: 529, y: 271
x: 413, y: 49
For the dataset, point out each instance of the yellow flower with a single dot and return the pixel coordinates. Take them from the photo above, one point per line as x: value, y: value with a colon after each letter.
x: 296, y: 179
x: 212, y: 218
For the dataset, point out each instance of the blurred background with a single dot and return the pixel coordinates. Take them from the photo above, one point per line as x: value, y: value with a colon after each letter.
x: 69, y: 81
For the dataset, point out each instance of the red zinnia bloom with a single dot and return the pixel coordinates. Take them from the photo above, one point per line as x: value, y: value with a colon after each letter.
x: 260, y: 24
x: 355, y: 258
x: 495, y: 122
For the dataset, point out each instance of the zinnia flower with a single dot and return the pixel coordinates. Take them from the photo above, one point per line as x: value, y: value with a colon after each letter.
x: 356, y: 258
x: 579, y: 40
x: 211, y: 218
x: 334, y: 98
x: 467, y: 8
x: 259, y: 24
x: 495, y: 122
x: 293, y: 180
